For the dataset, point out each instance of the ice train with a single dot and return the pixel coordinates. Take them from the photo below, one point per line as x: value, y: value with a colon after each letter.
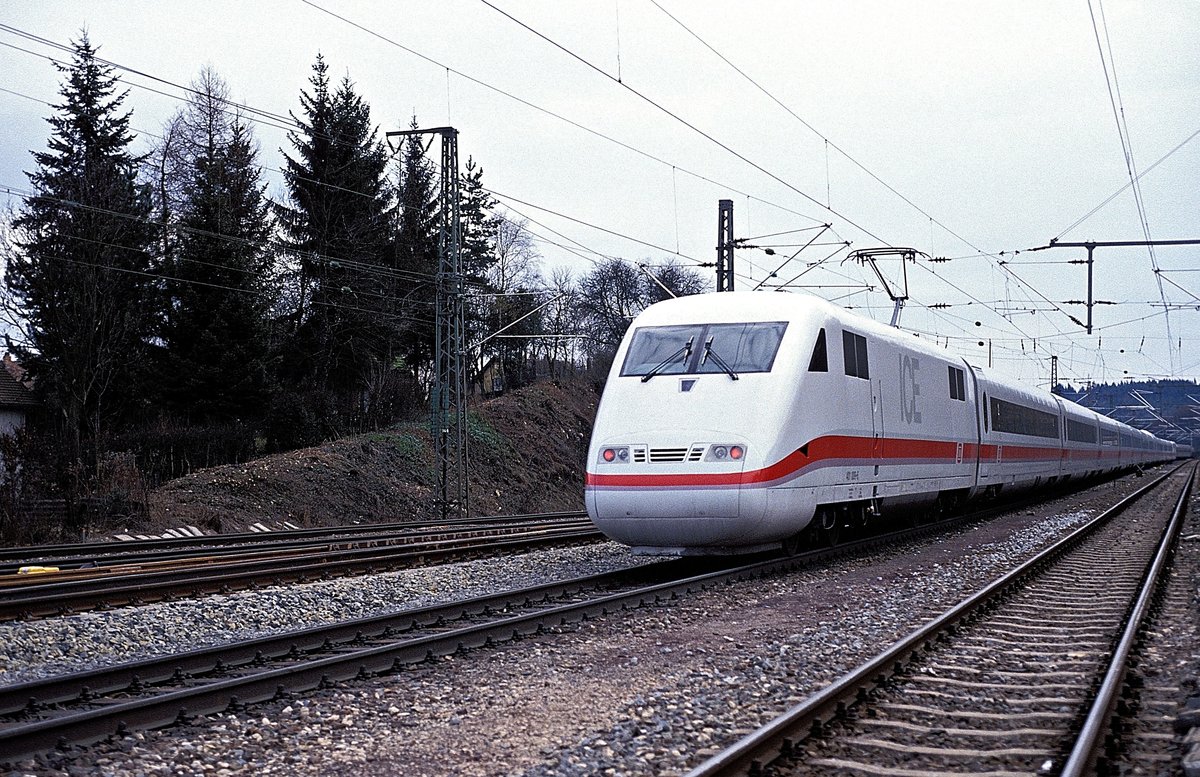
x: 733, y: 422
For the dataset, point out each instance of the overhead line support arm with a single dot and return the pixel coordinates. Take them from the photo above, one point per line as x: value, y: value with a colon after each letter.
x: 1092, y: 245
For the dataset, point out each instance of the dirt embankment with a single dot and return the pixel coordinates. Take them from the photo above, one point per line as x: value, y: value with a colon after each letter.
x: 526, y: 454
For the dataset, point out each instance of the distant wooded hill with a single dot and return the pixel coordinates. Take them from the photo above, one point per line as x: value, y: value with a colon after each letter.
x: 1167, y: 408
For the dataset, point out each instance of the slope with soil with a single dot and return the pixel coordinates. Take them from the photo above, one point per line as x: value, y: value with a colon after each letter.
x: 526, y: 454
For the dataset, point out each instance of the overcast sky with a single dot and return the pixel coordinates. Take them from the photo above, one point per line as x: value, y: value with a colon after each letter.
x: 960, y: 129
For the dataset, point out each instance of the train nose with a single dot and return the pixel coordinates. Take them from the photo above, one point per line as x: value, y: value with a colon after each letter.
x: 678, y: 519
x: 686, y: 496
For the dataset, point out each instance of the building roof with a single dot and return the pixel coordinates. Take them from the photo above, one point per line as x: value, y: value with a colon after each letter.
x: 13, y: 393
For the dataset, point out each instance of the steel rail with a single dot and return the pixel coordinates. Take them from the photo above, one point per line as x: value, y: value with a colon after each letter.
x: 153, y: 560
x: 92, y: 725
x: 77, y: 553
x: 151, y: 671
x: 1086, y: 748
x: 779, y: 737
x: 299, y: 674
x: 136, y: 588
x: 344, y: 664
x: 57, y: 597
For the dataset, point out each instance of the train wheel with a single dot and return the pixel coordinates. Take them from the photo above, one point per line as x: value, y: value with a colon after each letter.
x: 862, y: 521
x: 793, y: 544
x: 829, y: 523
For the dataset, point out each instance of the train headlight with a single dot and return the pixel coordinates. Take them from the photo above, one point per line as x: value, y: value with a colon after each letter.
x: 618, y: 455
x: 725, y: 452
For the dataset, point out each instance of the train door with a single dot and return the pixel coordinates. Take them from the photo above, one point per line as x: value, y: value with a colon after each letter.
x: 864, y: 389
x: 978, y: 401
x: 877, y: 422
x: 1064, y: 444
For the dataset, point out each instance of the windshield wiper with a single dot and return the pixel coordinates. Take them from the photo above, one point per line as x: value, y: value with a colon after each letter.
x: 685, y: 351
x: 708, y: 351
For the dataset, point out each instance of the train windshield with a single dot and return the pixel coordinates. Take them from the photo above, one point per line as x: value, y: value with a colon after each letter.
x: 680, y: 350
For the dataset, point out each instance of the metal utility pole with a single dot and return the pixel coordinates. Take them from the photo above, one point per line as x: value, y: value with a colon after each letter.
x: 725, y: 244
x: 448, y: 400
x: 1053, y: 374
x: 1094, y: 244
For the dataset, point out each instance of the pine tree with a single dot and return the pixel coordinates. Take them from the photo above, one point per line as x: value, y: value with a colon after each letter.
x: 82, y: 272
x: 478, y: 236
x: 478, y: 254
x: 340, y: 224
x: 217, y: 332
x: 417, y: 242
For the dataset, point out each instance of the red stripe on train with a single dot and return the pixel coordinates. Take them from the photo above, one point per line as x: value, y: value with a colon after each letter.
x: 858, y: 450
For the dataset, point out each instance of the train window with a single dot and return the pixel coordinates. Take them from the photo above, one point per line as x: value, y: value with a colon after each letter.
x: 681, y: 350
x: 664, y: 349
x: 820, y: 360
x: 743, y: 347
x: 1078, y: 431
x: 958, y: 385
x: 854, y: 352
x: 1019, y: 419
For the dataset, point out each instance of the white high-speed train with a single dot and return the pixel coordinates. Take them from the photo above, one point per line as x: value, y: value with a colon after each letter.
x: 731, y: 422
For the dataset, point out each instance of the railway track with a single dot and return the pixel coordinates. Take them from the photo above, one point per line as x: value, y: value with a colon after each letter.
x: 172, y: 571
x: 89, y: 706
x: 161, y: 570
x: 1022, y: 678
x: 77, y: 555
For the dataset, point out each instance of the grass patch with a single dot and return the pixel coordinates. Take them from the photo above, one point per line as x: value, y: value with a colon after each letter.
x: 404, y: 443
x: 482, y: 432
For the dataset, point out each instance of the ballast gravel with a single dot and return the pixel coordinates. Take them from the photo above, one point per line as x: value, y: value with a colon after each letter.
x: 646, y: 692
x: 61, y: 645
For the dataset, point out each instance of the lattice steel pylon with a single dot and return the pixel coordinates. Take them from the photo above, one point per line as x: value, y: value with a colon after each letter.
x: 448, y: 397
x: 725, y: 244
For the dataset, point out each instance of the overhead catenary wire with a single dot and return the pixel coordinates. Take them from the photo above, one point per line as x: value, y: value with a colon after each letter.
x: 655, y: 242
x: 828, y: 143
x: 826, y: 140
x: 292, y: 126
x: 712, y: 139
x: 1126, y: 186
x: 1118, y: 107
x: 194, y: 282
x: 557, y: 116
x: 278, y: 117
x: 273, y: 243
x: 175, y: 226
x: 363, y: 267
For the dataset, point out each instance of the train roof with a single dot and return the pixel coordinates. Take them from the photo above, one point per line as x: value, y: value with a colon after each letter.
x: 774, y: 306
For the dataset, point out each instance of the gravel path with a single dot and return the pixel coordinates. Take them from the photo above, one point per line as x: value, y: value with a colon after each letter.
x: 646, y: 692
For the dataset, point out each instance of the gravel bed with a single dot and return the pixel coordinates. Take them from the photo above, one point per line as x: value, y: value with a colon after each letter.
x: 1168, y: 665
x: 651, y: 691
x: 60, y: 645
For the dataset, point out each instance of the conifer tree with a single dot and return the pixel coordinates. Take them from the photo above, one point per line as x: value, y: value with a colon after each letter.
x: 82, y: 274
x: 478, y: 254
x: 478, y: 238
x: 417, y: 242
x: 340, y: 225
x: 216, y: 331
